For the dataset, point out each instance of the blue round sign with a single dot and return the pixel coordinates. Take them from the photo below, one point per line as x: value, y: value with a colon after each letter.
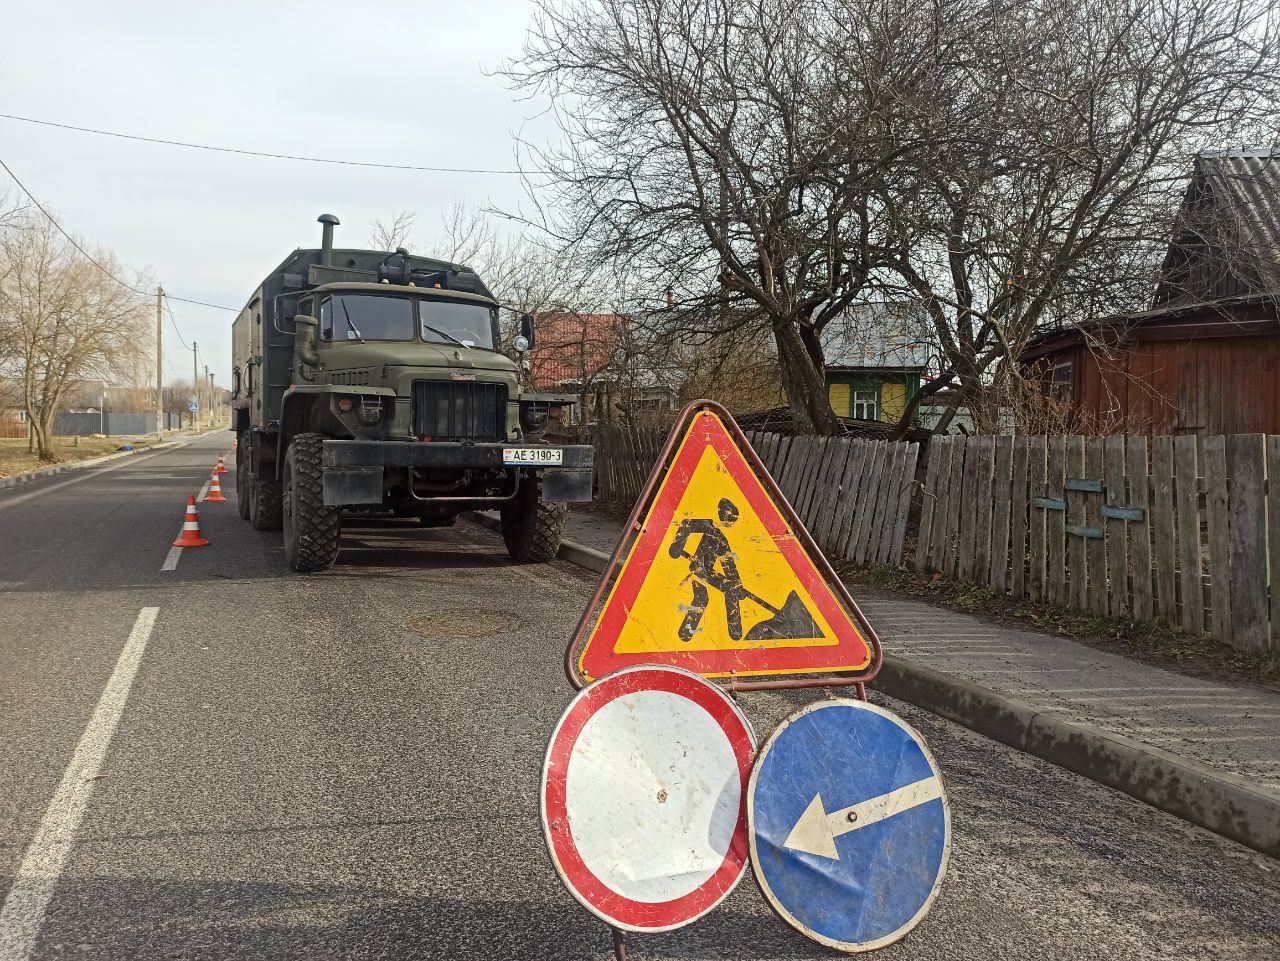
x: 849, y: 824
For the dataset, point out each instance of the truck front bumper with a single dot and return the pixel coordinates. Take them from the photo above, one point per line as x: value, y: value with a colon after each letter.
x: 354, y: 470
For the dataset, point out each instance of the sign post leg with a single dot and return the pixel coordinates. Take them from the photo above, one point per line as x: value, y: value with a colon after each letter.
x: 619, y: 945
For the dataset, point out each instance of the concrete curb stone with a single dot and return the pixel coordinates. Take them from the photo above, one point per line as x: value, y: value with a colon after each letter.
x: 19, y: 479
x: 1218, y: 801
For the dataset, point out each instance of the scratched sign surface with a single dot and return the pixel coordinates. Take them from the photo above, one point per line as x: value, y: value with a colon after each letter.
x: 717, y: 582
x: 849, y: 824
x: 643, y: 797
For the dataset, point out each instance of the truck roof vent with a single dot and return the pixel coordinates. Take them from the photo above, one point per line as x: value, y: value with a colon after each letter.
x: 329, y: 221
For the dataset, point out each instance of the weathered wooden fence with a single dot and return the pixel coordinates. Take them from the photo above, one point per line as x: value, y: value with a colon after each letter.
x: 853, y: 495
x: 1177, y: 529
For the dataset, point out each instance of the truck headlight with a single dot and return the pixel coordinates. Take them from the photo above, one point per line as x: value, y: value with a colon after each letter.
x: 534, y: 415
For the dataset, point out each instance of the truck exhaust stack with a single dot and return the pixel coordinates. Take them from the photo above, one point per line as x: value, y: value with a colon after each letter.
x: 326, y: 238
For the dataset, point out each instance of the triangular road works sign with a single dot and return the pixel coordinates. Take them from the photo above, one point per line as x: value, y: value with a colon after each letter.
x: 721, y: 579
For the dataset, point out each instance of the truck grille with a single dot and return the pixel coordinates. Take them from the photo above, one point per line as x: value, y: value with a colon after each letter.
x: 453, y: 410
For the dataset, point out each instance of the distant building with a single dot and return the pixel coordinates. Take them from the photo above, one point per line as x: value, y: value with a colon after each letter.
x: 876, y: 355
x: 1205, y: 359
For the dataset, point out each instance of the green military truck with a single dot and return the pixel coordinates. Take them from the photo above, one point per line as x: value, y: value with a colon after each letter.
x: 374, y: 381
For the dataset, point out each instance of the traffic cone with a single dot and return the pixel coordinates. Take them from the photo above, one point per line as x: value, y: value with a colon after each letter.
x: 190, y: 536
x: 221, y: 468
x: 215, y: 490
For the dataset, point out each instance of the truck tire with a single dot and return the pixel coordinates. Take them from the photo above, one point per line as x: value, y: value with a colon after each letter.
x: 311, y: 528
x: 244, y: 479
x: 264, y: 502
x: 531, y: 527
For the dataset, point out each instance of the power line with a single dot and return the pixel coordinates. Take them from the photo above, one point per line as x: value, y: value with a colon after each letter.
x: 84, y: 253
x: 169, y: 311
x: 262, y: 153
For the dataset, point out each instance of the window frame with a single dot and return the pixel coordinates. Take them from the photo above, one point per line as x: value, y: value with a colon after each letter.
x: 855, y: 402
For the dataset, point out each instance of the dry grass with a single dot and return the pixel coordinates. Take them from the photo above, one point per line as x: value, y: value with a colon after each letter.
x: 14, y: 458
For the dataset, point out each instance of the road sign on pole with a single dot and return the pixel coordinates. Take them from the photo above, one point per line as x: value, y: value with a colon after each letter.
x: 643, y: 797
x: 849, y: 824
x: 722, y: 579
x: 193, y: 407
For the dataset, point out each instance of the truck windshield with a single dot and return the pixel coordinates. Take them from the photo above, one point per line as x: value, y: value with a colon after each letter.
x: 457, y: 322
x: 367, y: 317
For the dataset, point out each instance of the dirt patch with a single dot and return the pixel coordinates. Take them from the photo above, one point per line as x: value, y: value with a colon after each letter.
x: 460, y: 623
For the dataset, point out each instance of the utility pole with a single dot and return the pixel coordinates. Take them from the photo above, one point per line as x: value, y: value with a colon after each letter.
x: 208, y: 386
x: 159, y: 360
x: 195, y: 384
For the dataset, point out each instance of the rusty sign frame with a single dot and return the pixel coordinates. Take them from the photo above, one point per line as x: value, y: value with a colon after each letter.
x: 633, y: 526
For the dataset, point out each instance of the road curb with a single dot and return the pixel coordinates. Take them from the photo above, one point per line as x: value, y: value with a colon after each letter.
x: 1218, y: 801
x: 17, y: 480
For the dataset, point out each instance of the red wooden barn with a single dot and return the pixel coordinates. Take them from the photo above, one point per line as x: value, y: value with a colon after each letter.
x: 1205, y: 359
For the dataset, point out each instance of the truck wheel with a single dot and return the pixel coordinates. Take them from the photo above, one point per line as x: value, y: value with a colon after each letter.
x: 531, y: 527
x: 244, y: 480
x: 433, y: 517
x: 264, y: 503
x: 311, y: 528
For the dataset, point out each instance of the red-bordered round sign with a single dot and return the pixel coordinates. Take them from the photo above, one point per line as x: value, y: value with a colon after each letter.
x: 643, y: 797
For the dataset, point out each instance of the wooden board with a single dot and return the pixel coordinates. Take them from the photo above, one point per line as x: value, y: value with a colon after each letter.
x: 997, y: 575
x: 1163, y: 522
x: 969, y: 509
x: 941, y: 504
x: 1116, y: 530
x: 1273, y: 533
x: 1213, y: 459
x: 894, y: 555
x: 1139, y: 531
x: 855, y: 476
x: 928, y: 500
x: 867, y: 499
x: 1186, y: 490
x: 1018, y: 518
x: 980, y: 564
x: 1055, y: 538
x: 888, y: 521
x: 955, y: 500
x: 1077, y: 594
x: 1246, y: 484
x: 1096, y: 547
x: 1037, y: 536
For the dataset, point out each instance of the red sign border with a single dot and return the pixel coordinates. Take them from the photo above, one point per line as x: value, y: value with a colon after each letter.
x: 654, y: 487
x: 613, y: 908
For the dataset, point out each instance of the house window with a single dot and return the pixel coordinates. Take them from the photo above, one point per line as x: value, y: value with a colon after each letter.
x: 866, y: 405
x: 1060, y: 381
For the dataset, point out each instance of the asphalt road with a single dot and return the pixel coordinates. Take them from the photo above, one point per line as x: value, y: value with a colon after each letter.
x: 346, y: 765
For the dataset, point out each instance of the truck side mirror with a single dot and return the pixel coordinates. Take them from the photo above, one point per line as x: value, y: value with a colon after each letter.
x: 526, y: 328
x: 304, y: 345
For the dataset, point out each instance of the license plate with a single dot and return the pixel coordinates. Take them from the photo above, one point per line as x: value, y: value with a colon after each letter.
x: 531, y: 456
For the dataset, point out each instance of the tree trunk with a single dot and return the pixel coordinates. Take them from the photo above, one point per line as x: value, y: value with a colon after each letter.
x: 42, y: 431
x: 805, y: 386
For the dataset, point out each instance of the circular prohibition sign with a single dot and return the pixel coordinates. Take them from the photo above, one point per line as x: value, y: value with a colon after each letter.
x: 644, y: 797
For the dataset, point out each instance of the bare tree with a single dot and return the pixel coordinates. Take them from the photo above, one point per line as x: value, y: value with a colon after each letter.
x: 1049, y: 165
x: 63, y: 319
x: 1007, y: 165
x: 393, y: 233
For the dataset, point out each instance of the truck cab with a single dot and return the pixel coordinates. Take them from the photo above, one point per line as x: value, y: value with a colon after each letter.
x: 376, y: 381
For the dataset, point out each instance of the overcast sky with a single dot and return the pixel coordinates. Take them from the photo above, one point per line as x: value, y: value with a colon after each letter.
x: 378, y: 81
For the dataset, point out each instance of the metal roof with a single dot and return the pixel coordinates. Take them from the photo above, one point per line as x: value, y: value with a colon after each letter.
x: 1228, y: 244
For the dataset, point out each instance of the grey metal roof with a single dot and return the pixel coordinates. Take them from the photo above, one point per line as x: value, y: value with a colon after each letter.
x: 1228, y: 243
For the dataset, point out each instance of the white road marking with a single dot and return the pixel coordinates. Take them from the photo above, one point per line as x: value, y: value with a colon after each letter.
x: 22, y: 914
x: 171, y: 561
x: 204, y: 491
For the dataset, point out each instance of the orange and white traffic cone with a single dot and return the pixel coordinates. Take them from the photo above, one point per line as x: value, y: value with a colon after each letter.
x: 190, y: 536
x: 222, y: 467
x: 215, y: 490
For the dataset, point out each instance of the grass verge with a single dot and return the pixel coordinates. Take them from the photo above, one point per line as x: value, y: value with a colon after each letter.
x: 15, y: 460
x: 1145, y: 640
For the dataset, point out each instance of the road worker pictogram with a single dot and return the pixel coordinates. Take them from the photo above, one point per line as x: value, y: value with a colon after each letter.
x: 718, y: 581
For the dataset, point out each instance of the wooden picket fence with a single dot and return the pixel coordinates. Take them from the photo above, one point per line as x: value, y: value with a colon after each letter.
x: 853, y: 495
x: 1177, y: 529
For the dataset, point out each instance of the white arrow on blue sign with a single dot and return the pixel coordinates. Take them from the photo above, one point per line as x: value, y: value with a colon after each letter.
x: 849, y: 824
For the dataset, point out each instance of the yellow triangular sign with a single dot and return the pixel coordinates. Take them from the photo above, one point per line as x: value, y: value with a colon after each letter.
x: 720, y: 580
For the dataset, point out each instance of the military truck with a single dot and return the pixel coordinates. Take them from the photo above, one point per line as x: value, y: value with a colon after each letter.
x: 374, y: 381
